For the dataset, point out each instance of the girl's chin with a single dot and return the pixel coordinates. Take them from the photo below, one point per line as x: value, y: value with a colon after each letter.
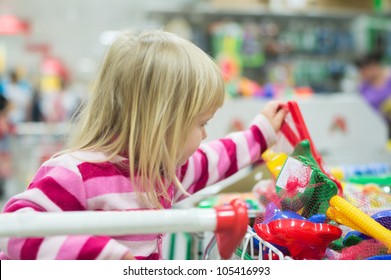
x: 182, y: 162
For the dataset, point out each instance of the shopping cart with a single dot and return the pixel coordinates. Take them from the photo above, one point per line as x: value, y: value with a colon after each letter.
x: 31, y: 145
x: 252, y: 247
x: 228, y: 222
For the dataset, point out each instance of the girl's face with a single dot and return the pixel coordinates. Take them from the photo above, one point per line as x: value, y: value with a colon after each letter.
x: 196, y: 135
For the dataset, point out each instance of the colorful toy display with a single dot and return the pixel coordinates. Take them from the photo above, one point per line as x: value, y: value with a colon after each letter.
x: 312, y: 216
x: 302, y: 187
x: 268, y: 54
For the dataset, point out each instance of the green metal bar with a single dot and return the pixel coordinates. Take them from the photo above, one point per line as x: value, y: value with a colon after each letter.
x: 239, y: 253
x: 172, y: 246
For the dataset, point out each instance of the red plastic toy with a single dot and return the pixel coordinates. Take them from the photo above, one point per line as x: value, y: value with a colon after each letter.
x: 304, y: 239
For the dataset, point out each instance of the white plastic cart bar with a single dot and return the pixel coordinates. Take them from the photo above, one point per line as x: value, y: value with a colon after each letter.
x: 35, y: 224
x: 229, y: 222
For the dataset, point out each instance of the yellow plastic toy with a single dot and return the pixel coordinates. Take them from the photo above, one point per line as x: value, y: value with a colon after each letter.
x: 347, y: 214
x: 274, y: 162
x: 337, y: 173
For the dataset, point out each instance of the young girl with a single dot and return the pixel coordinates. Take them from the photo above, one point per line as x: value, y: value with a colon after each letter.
x: 136, y: 147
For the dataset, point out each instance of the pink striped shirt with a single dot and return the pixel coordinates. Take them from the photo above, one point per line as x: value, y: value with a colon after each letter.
x: 74, y: 182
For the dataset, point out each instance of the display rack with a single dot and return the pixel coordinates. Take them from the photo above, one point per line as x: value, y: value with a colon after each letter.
x: 210, y: 9
x: 321, y: 67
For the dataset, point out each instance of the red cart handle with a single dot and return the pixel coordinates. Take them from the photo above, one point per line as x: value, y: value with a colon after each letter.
x: 232, y: 222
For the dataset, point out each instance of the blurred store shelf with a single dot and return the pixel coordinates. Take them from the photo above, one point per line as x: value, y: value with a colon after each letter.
x: 216, y: 9
x: 41, y: 128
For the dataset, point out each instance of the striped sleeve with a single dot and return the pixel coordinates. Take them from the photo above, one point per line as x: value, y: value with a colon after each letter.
x: 56, y: 188
x: 221, y: 158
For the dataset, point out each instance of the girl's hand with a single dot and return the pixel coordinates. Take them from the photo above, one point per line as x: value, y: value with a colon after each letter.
x: 275, y: 112
x: 128, y: 256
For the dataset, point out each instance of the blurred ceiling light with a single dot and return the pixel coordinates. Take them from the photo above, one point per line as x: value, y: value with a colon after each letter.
x: 107, y: 37
x: 12, y: 25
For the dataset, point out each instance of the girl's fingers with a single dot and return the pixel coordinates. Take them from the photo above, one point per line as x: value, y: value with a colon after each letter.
x: 280, y: 116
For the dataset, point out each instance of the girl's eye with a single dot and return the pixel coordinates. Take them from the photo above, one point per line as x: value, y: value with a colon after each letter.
x: 205, y: 124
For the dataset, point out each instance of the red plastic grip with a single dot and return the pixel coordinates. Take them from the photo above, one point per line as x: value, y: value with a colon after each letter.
x: 232, y: 222
x: 302, y: 129
x: 289, y: 134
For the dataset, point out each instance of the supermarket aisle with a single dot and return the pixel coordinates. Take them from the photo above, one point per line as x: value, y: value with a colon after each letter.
x: 303, y: 51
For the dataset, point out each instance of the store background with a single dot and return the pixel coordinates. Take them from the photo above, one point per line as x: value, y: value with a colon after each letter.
x: 298, y: 49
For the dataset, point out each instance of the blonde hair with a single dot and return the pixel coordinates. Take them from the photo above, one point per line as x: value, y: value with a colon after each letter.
x: 151, y: 89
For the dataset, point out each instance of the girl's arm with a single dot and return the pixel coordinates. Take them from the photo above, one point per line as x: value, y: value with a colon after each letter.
x: 56, y: 189
x: 221, y: 158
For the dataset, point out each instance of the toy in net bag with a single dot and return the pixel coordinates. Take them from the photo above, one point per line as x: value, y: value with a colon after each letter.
x: 301, y: 188
x: 301, y: 183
